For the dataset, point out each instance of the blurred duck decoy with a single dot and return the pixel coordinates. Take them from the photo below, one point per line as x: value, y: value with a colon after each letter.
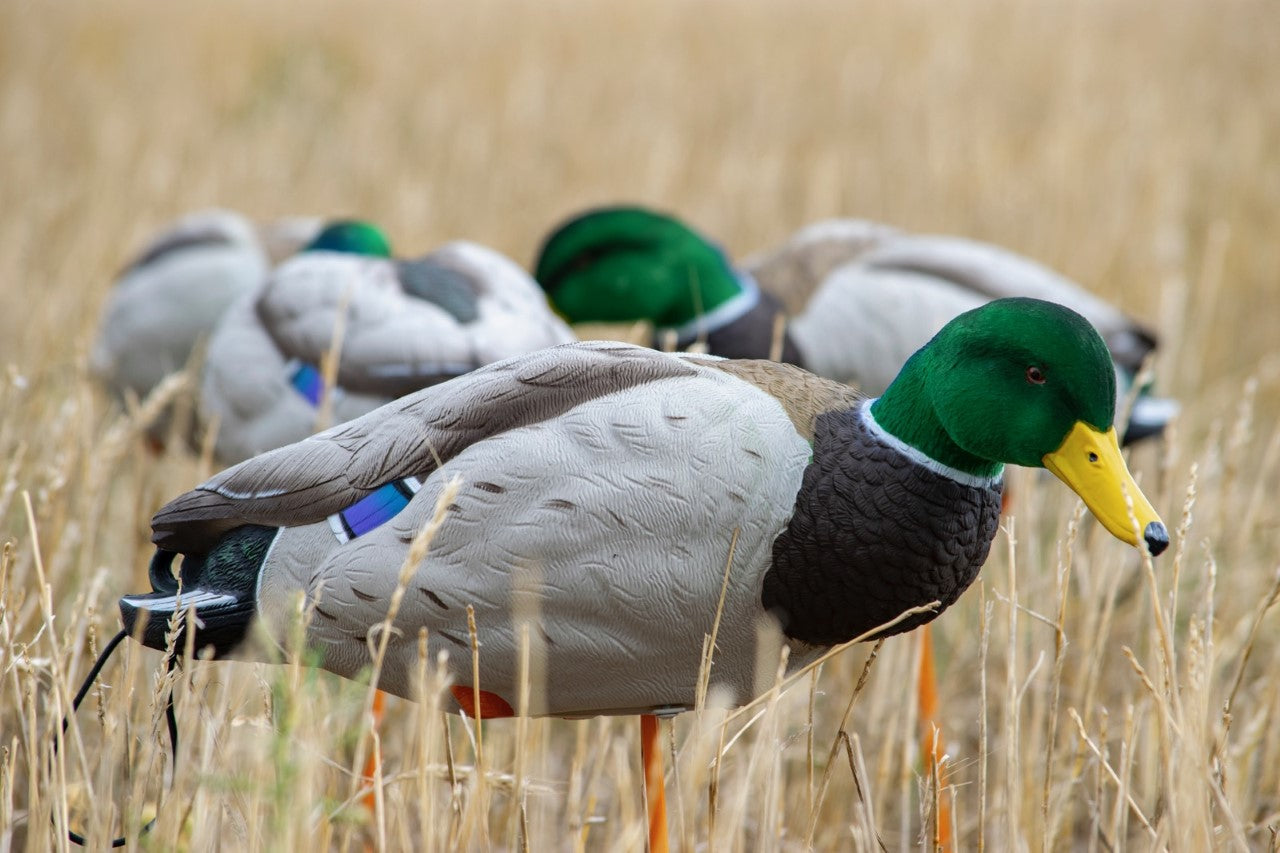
x: 397, y: 326
x: 864, y: 296
x: 611, y: 482
x: 178, y: 287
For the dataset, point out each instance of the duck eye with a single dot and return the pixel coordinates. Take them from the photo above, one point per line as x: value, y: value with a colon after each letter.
x: 1035, y: 375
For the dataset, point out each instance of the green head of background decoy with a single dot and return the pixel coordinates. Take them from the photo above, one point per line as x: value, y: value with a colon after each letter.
x: 620, y: 264
x: 352, y: 236
x: 1024, y: 382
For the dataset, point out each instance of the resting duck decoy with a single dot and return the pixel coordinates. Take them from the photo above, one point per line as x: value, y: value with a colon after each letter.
x: 609, y: 481
x: 404, y: 325
x: 877, y: 295
x: 178, y: 287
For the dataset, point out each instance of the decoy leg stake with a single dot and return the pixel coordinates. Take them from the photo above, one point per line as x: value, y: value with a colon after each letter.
x: 654, y: 787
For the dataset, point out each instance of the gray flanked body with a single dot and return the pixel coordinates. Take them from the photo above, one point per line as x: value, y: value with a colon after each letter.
x: 794, y: 270
x: 246, y: 394
x: 178, y: 287
x: 879, y: 294
x: 601, y: 487
x: 404, y: 325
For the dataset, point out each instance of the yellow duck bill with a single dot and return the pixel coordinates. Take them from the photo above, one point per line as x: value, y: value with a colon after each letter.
x: 1089, y: 462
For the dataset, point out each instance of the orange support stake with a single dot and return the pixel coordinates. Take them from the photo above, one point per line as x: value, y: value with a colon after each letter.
x: 371, y: 762
x: 931, y: 736
x: 655, y: 792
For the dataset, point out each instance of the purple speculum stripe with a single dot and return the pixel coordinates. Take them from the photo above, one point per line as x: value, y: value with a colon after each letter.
x: 374, y: 510
x: 308, y: 382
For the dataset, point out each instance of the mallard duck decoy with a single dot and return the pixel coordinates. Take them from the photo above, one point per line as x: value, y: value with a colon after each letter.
x: 608, y: 481
x: 864, y: 296
x: 177, y: 288
x: 401, y: 325
x: 877, y: 295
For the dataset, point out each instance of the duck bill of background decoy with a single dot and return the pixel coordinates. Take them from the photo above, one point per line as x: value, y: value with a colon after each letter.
x: 1089, y: 462
x: 220, y: 586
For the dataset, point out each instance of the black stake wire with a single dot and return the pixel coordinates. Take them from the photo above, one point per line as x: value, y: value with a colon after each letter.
x: 169, y: 715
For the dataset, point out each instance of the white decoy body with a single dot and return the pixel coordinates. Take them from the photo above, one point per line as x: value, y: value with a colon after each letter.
x: 399, y: 325
x: 178, y: 287
x: 594, y: 500
x: 874, y: 295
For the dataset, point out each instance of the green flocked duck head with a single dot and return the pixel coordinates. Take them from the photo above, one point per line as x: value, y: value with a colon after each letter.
x: 1025, y: 382
x: 352, y: 236
x: 620, y: 264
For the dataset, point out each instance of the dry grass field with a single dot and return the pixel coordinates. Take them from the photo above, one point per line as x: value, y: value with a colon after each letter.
x: 1090, y: 700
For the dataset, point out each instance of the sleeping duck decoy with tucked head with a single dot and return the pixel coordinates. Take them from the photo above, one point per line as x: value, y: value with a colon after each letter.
x: 178, y: 287
x: 609, y: 482
x: 398, y: 326
x: 865, y: 296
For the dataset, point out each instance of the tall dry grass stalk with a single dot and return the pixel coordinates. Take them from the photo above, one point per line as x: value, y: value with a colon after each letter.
x: 1091, y: 700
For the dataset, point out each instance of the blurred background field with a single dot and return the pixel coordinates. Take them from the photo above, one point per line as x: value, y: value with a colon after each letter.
x: 1132, y: 145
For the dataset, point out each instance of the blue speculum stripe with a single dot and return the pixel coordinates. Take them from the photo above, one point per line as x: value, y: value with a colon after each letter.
x: 374, y: 510
x: 308, y: 382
